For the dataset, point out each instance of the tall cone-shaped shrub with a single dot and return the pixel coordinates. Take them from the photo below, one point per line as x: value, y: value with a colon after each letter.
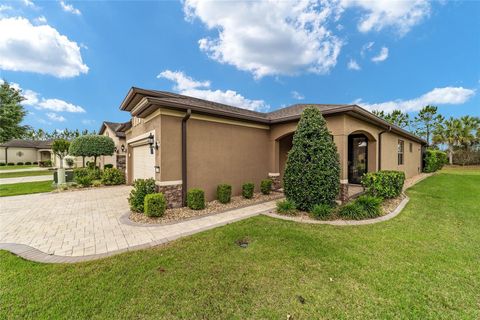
x: 312, y: 173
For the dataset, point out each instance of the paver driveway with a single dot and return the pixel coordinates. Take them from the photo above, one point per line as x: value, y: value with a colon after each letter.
x: 88, y: 222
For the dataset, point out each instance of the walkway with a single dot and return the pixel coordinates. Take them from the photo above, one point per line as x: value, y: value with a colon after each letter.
x: 26, y: 179
x: 25, y: 170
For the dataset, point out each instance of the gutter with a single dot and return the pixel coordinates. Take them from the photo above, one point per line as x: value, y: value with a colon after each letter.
x: 184, y: 156
x: 380, y: 146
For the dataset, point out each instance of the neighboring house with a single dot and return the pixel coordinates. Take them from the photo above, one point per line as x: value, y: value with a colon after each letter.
x: 18, y: 150
x: 116, y: 131
x: 184, y: 142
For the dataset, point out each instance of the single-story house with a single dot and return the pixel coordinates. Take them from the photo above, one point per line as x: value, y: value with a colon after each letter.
x: 116, y: 131
x: 19, y: 150
x: 184, y: 142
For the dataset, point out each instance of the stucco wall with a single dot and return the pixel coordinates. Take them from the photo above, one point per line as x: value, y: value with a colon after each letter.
x: 29, y: 154
x: 412, y: 160
x: 118, y: 143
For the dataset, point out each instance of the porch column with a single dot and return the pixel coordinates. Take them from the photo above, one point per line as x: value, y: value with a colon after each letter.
x: 342, y: 146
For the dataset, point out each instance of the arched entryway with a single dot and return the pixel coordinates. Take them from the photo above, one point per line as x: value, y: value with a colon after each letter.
x: 284, y: 146
x: 361, y: 156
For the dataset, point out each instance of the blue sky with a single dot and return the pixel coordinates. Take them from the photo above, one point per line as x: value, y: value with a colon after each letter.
x: 75, y: 61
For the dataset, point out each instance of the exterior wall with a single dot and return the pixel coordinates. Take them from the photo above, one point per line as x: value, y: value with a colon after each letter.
x: 412, y: 160
x: 118, y: 143
x: 29, y: 154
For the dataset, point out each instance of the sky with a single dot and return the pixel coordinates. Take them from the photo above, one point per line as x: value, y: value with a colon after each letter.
x: 75, y: 61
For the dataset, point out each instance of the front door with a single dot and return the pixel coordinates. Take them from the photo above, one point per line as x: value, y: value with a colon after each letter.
x: 357, y: 157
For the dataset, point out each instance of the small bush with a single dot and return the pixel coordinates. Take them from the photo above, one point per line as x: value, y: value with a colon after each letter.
x: 70, y: 161
x: 45, y: 163
x: 10, y: 164
x: 196, y: 199
x: 286, y: 207
x: 434, y: 160
x: 96, y: 183
x: 2, y: 164
x: 224, y: 193
x: 28, y: 163
x: 112, y: 176
x: 266, y: 186
x: 107, y: 166
x: 247, y: 190
x: 84, y: 181
x: 155, y: 204
x: 352, y: 211
x: 35, y: 162
x: 19, y: 163
x: 384, y: 184
x: 321, y: 211
x: 141, y: 187
x: 371, y: 205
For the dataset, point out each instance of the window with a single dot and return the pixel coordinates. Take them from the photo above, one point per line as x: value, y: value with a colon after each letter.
x: 411, y: 147
x: 400, y: 151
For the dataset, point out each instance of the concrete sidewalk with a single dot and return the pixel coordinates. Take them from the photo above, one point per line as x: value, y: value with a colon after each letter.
x: 26, y: 179
x: 25, y: 170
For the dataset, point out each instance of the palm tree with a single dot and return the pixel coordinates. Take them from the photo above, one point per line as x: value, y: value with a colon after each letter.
x: 469, y: 132
x: 448, y: 132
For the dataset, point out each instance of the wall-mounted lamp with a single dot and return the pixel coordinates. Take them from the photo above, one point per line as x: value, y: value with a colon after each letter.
x: 122, y: 148
x: 115, y: 150
x: 152, y: 143
x: 157, y: 169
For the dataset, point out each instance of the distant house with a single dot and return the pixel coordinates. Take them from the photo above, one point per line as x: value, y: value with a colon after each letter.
x: 116, y: 131
x: 19, y: 150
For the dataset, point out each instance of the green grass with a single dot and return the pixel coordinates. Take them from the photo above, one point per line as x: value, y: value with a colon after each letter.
x: 15, y: 189
x: 423, y: 264
x: 25, y: 174
x: 17, y: 167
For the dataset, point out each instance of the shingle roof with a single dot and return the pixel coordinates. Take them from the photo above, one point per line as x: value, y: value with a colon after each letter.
x: 21, y: 143
x: 297, y: 109
x: 118, y: 127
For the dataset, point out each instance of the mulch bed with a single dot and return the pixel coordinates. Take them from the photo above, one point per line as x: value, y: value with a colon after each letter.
x: 212, y: 207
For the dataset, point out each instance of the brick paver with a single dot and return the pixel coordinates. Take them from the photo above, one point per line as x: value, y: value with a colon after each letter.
x: 88, y: 223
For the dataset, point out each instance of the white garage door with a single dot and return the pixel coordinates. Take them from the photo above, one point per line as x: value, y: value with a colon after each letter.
x: 143, y: 163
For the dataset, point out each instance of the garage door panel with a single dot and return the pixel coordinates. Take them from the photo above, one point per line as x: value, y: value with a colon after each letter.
x: 143, y: 163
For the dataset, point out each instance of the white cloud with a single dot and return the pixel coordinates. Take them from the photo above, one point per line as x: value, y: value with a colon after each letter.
x: 41, y: 20
x: 353, y: 65
x: 437, y: 96
x: 366, y: 47
x: 69, y: 8
x: 269, y: 38
x: 398, y: 15
x: 382, y: 55
x: 28, y: 3
x: 55, y: 117
x: 40, y: 49
x: 59, y: 106
x: 297, y: 95
x: 200, y: 89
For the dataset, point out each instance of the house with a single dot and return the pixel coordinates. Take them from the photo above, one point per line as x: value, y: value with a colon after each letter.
x: 116, y: 131
x: 184, y: 142
x: 18, y: 150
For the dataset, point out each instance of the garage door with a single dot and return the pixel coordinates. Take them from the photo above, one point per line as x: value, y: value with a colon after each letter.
x: 143, y: 163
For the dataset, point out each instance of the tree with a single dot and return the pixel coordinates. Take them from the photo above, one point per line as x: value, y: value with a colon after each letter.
x: 396, y: 117
x: 60, y: 149
x: 11, y: 113
x: 426, y: 121
x: 312, y: 173
x: 448, y: 133
x: 92, y: 146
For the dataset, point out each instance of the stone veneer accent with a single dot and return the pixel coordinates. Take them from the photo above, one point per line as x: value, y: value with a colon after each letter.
x: 172, y: 191
x: 276, y: 182
x: 343, y: 192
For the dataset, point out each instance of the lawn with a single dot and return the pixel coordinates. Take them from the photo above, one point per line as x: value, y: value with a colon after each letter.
x: 18, y: 167
x: 15, y: 189
x: 25, y: 174
x: 423, y: 264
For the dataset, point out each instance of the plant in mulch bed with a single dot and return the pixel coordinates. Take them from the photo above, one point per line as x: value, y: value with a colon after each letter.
x: 385, y: 184
x: 112, y: 176
x: 321, y: 211
x: 286, y: 207
x: 247, y: 190
x: 224, y: 193
x: 371, y: 205
x: 266, y: 186
x: 155, y: 205
x: 196, y: 199
x: 141, y: 187
x: 352, y: 211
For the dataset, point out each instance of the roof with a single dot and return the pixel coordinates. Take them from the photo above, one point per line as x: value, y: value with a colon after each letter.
x: 21, y: 143
x: 141, y: 102
x: 118, y: 127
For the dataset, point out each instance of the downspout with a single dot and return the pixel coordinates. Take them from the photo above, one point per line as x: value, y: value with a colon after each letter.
x: 6, y: 155
x: 380, y: 147
x: 184, y: 156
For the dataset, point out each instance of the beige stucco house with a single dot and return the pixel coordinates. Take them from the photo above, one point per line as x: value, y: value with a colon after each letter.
x: 116, y: 131
x: 19, y: 150
x: 184, y: 142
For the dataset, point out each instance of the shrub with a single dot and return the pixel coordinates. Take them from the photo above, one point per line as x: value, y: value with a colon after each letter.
x: 196, y: 199
x: 92, y: 146
x: 96, y: 183
x: 247, y: 190
x: 384, y: 184
x: 107, y: 166
x: 45, y: 163
x: 352, y: 211
x: 19, y: 163
x: 266, y: 186
x: 371, y: 205
x: 84, y: 181
x: 141, y: 187
x: 60, y: 149
x: 224, y: 193
x: 321, y: 211
x: 155, y: 204
x: 35, y: 162
x: 286, y: 207
x: 112, y: 176
x: 434, y: 160
x: 10, y: 164
x: 70, y: 161
x: 28, y: 163
x: 2, y: 164
x: 312, y: 173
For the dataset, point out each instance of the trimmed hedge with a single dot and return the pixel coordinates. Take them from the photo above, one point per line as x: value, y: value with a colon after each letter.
x: 434, y: 160
x: 371, y: 205
x: 196, y: 199
x: 28, y: 163
x: 286, y: 207
x: 224, y: 193
x: 247, y: 190
x: 35, y: 162
x: 19, y: 163
x: 82, y: 177
x: 384, y: 184
x: 312, y: 173
x: 266, y: 186
x: 2, y: 164
x: 155, y: 204
x: 141, y: 187
x: 108, y: 165
x: 321, y: 211
x: 112, y: 176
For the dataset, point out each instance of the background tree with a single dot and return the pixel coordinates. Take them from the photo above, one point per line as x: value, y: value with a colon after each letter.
x: 11, y: 113
x: 60, y: 149
x: 312, y: 173
x: 92, y: 146
x: 396, y: 117
x: 448, y: 133
x: 426, y: 121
